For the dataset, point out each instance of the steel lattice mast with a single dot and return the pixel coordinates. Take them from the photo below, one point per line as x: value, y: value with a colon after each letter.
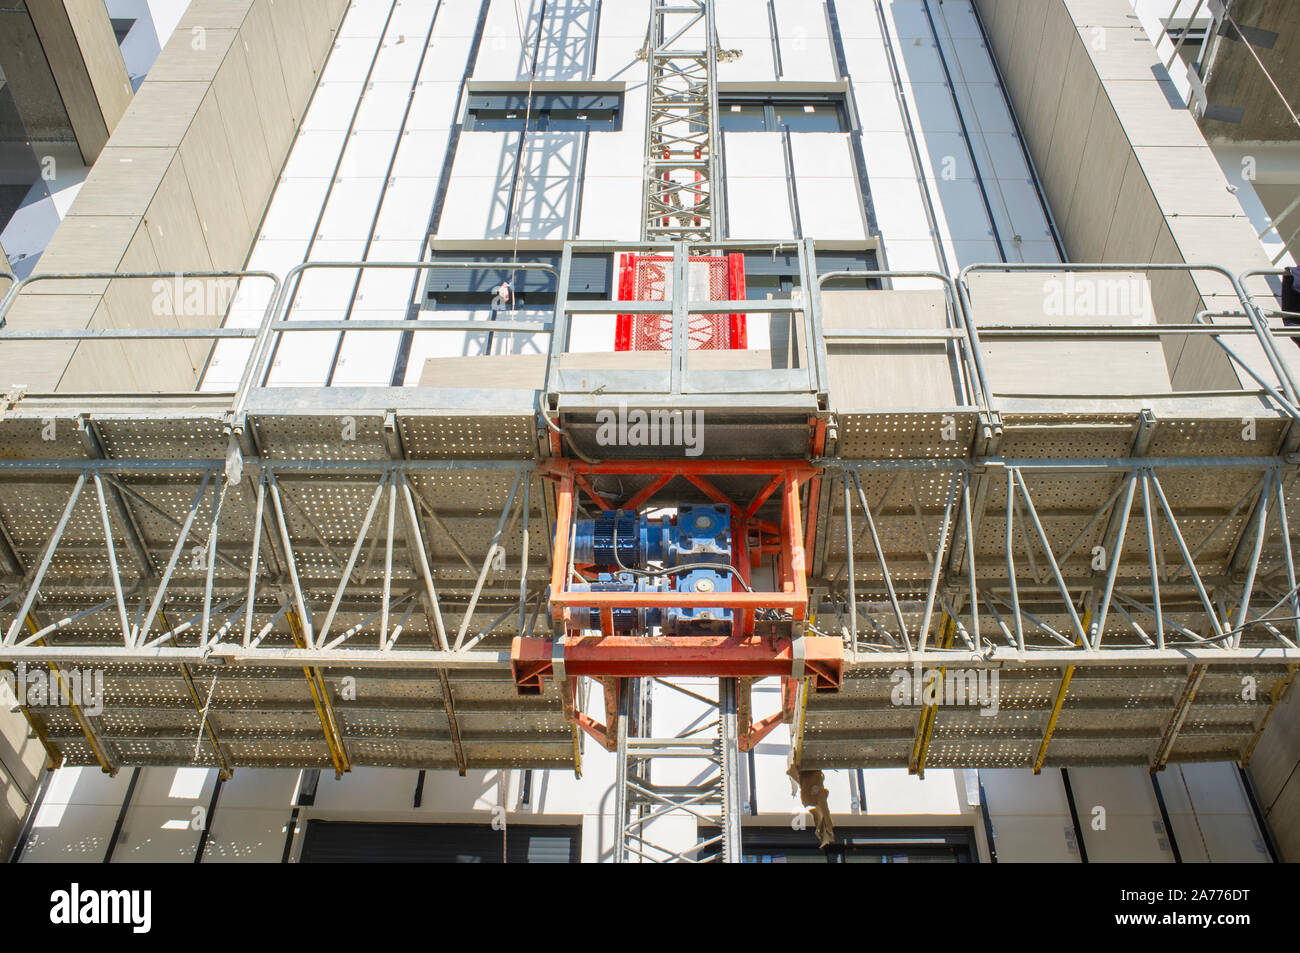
x: 681, y: 123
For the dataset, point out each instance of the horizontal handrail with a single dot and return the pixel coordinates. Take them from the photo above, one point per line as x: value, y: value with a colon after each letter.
x: 15, y: 292
x: 277, y: 321
x: 964, y: 332
x: 1261, y: 329
x: 1272, y: 313
x: 1259, y: 326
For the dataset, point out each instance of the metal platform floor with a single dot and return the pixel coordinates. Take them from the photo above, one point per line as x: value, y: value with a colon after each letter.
x: 270, y: 694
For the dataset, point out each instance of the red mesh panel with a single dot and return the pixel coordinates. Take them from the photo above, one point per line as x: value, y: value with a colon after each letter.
x: 712, y: 278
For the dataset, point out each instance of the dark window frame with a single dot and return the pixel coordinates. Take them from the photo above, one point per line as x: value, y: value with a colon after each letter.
x: 592, y: 277
x: 771, y: 102
x: 550, y: 112
x: 327, y: 841
x: 763, y: 844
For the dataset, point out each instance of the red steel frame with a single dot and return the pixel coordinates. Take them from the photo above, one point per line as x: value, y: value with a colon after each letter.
x: 608, y: 656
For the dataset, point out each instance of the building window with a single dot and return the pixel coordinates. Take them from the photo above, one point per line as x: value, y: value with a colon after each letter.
x: 121, y: 27
x: 1190, y: 53
x: 355, y: 842
x: 472, y: 289
x: 761, y: 113
x: 571, y: 112
x: 762, y: 845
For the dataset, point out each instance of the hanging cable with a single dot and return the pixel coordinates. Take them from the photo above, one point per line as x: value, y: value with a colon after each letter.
x: 519, y: 182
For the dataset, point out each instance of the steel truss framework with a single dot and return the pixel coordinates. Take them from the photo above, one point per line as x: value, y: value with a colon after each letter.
x: 1156, y: 595
x: 261, y: 590
x: 681, y: 168
x: 708, y: 791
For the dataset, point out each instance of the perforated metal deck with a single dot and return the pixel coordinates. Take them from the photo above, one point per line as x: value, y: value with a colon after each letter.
x: 333, y: 576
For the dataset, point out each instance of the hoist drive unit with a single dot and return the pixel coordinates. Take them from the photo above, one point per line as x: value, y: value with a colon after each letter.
x: 691, y: 552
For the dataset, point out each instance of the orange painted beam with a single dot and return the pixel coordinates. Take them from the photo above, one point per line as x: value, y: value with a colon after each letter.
x: 599, y: 656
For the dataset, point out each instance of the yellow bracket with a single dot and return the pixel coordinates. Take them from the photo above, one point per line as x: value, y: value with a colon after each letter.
x: 1061, y: 692
x: 925, y: 726
x: 57, y: 756
x: 321, y: 699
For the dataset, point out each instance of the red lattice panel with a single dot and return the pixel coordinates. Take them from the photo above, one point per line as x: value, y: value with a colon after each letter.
x: 649, y: 278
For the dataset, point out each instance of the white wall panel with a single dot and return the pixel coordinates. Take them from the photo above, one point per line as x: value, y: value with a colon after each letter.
x: 365, y: 18
x: 421, y: 154
x: 565, y: 50
x: 754, y: 155
x: 459, y: 19
x: 76, y: 818
x: 877, y: 106
x: 616, y: 57
x: 404, y: 216
x: 830, y: 208
x: 333, y: 106
x: 744, y: 25
x: 1030, y: 816
x: 160, y: 824
x: 868, y: 63
x: 433, y: 107
x: 314, y: 155
x: 806, y: 51
x: 857, y: 20
x: 759, y: 208
x: 611, y: 208
x: 349, y: 60
x: 907, y: 19
x: 1210, y: 814
x: 1120, y: 817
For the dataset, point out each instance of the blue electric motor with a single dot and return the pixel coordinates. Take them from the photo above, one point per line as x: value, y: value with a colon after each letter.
x: 622, y: 545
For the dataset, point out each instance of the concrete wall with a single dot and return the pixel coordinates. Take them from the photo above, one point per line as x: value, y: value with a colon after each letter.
x: 1275, y: 771
x: 180, y: 187
x: 67, y: 74
x: 1124, y: 166
x: 22, y: 761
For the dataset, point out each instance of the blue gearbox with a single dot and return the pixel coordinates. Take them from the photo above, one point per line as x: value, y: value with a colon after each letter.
x: 695, y: 551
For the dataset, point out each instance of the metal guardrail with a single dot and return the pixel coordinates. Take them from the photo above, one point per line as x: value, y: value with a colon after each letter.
x: 1257, y: 324
x: 10, y: 298
x: 278, y: 322
x: 681, y: 309
x: 963, y: 332
x: 1273, y: 311
x: 959, y: 333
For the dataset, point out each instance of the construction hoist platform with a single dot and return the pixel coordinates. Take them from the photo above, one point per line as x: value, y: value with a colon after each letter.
x: 640, y: 596
x: 663, y: 588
